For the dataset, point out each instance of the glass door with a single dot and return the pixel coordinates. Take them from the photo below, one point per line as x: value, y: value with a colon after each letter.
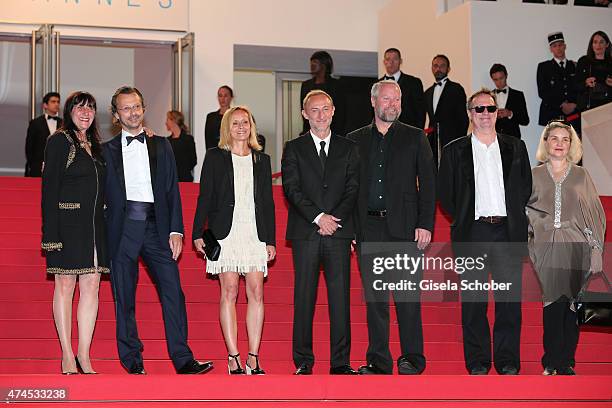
x: 182, y: 94
x: 44, y: 66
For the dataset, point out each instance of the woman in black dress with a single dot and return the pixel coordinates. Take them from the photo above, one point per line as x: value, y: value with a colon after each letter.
x: 183, y: 145
x: 594, y: 73
x: 73, y: 225
x: 212, y: 127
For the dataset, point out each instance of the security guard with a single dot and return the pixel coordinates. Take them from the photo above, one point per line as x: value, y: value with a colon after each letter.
x: 556, y: 83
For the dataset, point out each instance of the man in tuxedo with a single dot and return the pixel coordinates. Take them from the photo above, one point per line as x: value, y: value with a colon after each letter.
x: 555, y: 79
x: 445, y: 101
x: 144, y: 219
x: 320, y: 181
x: 39, y: 130
x: 511, y: 105
x: 396, y: 203
x: 484, y: 182
x: 413, y: 99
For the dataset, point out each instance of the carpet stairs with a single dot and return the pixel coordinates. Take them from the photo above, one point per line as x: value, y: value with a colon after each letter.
x: 30, y: 352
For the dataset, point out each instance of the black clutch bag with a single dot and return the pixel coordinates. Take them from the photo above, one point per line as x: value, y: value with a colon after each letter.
x: 212, y: 248
x: 595, y: 308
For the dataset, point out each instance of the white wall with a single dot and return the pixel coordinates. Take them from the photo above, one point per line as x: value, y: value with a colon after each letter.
x: 519, y: 41
x: 338, y: 24
x: 257, y: 90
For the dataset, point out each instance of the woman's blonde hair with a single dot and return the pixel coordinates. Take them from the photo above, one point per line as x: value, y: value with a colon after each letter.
x: 575, y: 151
x: 225, y: 141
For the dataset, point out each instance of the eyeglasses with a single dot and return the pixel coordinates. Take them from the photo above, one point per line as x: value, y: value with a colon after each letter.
x: 129, y: 109
x: 480, y: 109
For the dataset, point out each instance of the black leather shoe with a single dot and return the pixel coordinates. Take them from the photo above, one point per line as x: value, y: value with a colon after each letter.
x: 138, y: 369
x: 479, y: 370
x: 343, y: 370
x: 405, y: 367
x: 371, y: 369
x: 509, y: 370
x: 566, y: 371
x: 304, y: 369
x: 195, y: 367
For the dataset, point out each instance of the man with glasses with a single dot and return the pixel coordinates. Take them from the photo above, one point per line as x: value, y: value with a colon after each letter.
x: 484, y: 183
x: 144, y: 219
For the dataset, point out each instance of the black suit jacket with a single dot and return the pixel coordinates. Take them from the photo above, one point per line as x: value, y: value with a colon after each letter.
x: 516, y: 103
x: 168, y: 210
x: 413, y: 100
x: 36, y: 140
x: 456, y: 189
x: 555, y: 86
x: 408, y: 159
x: 216, y: 199
x: 451, y: 113
x: 311, y: 191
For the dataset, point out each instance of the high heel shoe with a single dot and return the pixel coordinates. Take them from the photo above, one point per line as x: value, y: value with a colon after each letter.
x: 68, y: 372
x: 80, y: 369
x: 238, y: 369
x: 254, y: 371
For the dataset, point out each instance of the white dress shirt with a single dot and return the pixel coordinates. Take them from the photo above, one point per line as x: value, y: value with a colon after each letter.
x: 136, y: 170
x: 559, y: 61
x: 502, y: 98
x: 51, y: 124
x: 490, y: 197
x: 317, y: 142
x: 438, y: 92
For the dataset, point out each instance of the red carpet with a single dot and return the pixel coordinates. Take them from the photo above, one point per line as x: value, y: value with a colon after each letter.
x: 30, y: 353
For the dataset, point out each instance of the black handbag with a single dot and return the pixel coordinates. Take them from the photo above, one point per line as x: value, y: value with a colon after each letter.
x: 594, y: 308
x: 212, y: 248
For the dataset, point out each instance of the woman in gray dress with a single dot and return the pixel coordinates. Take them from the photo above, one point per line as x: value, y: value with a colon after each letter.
x: 566, y: 229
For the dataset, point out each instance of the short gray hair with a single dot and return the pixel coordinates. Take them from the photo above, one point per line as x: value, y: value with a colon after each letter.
x: 377, y: 85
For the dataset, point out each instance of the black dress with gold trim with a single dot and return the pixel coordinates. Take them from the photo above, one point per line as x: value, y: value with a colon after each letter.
x: 74, y: 235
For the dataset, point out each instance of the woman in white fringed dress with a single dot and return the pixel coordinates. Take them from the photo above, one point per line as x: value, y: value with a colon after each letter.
x: 236, y: 204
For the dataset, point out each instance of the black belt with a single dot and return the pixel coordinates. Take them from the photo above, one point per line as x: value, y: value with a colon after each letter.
x: 377, y: 213
x: 140, y: 211
x: 493, y: 219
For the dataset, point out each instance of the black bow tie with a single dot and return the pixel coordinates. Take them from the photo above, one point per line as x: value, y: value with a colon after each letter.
x: 55, y: 118
x: 500, y: 90
x: 140, y: 138
x: 386, y: 77
x: 440, y: 83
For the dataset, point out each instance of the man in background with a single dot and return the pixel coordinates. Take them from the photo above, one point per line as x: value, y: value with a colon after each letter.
x: 413, y: 99
x: 39, y: 130
x: 511, y: 105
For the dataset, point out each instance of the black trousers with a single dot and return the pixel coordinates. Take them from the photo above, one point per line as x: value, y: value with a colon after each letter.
x: 561, y: 333
x: 408, y: 313
x: 334, y: 255
x: 140, y: 238
x: 504, y: 264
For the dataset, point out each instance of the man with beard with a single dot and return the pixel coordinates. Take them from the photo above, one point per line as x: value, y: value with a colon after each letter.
x: 396, y: 203
x: 445, y: 101
x: 144, y: 219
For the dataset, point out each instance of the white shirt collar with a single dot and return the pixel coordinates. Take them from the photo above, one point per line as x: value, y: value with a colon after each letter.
x: 395, y: 76
x: 317, y: 140
x: 479, y: 143
x: 559, y: 60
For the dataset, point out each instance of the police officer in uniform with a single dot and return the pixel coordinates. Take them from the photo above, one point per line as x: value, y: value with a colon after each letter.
x: 555, y: 83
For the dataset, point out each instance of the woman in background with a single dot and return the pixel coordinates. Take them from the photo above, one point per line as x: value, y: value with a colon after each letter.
x: 594, y: 73
x: 212, y: 127
x: 182, y: 144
